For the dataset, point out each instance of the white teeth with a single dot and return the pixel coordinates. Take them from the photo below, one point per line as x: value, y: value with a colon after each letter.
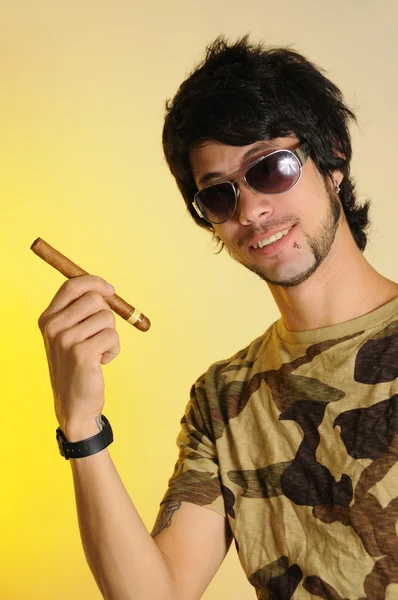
x: 271, y: 239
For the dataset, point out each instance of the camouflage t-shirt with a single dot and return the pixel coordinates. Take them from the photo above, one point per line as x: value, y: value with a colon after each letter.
x: 295, y: 440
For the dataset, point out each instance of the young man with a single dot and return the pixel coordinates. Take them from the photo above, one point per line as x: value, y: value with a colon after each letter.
x: 292, y: 443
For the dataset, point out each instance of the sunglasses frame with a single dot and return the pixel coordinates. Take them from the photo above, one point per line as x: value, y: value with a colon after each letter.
x: 301, y: 153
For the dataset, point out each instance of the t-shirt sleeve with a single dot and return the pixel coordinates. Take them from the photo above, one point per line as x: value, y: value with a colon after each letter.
x: 196, y: 476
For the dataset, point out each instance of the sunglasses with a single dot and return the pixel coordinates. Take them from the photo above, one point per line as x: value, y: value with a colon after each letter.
x: 273, y: 173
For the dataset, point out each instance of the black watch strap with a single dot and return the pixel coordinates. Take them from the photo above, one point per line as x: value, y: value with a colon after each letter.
x: 87, y: 447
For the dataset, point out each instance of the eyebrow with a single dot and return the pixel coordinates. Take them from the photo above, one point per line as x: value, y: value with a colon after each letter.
x: 264, y: 145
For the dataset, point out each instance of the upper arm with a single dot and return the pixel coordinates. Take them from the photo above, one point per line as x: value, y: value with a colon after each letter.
x: 194, y: 541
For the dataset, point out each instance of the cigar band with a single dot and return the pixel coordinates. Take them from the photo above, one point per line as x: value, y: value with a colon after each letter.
x: 134, y: 317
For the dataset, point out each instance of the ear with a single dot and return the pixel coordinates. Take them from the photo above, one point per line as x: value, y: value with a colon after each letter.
x: 336, y: 175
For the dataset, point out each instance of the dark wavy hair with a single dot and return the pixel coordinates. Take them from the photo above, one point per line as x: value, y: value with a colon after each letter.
x: 242, y: 93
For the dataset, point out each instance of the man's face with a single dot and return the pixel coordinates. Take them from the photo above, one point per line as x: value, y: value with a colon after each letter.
x: 306, y: 216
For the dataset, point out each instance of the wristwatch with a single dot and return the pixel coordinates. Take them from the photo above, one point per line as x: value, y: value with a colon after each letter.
x: 87, y: 447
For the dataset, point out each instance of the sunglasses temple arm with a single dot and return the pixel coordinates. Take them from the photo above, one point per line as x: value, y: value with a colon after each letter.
x: 302, y: 152
x: 196, y: 207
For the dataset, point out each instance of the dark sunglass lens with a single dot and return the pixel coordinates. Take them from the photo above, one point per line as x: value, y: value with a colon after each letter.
x: 275, y: 173
x: 217, y: 202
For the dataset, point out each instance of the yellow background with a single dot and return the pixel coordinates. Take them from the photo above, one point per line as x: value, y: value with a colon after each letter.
x: 82, y: 92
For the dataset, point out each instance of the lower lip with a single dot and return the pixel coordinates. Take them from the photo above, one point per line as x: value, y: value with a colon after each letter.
x: 275, y: 247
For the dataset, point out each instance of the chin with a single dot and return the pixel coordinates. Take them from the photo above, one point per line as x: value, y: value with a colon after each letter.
x: 286, y: 279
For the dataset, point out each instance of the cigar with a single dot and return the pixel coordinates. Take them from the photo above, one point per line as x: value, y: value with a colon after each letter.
x: 68, y: 268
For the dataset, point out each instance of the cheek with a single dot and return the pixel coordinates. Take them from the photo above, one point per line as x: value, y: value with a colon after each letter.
x: 228, y: 237
x: 311, y: 200
x: 224, y: 233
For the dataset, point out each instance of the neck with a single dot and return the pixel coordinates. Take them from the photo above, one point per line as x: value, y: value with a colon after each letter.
x: 344, y: 286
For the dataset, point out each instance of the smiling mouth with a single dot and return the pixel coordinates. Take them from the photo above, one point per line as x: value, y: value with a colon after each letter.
x: 270, y: 240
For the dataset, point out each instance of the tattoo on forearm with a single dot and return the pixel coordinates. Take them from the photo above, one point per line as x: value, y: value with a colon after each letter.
x: 100, y: 425
x: 165, y: 515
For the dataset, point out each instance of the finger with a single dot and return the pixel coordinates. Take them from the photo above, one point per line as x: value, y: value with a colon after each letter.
x: 92, y: 350
x: 80, y: 310
x: 73, y: 289
x: 107, y: 357
x: 67, y: 338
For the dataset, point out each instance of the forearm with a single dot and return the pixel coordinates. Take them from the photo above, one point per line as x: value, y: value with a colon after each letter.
x: 79, y: 334
x: 122, y: 555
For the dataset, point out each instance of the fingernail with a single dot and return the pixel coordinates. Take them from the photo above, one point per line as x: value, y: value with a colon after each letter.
x: 111, y: 288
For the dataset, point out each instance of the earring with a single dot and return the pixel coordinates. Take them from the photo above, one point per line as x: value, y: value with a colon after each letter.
x: 216, y: 238
x: 337, y: 187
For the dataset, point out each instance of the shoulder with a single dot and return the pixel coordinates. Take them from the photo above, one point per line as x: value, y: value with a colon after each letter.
x: 237, y: 368
x: 217, y: 395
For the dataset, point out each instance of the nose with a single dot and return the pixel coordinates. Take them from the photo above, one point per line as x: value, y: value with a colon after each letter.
x: 252, y: 205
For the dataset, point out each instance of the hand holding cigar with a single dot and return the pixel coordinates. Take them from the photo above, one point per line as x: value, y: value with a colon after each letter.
x: 68, y: 268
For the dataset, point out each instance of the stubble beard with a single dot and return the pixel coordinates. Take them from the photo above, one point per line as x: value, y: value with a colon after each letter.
x: 320, y: 246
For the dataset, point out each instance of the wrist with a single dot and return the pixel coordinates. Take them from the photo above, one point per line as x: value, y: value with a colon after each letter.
x: 85, y: 446
x: 76, y: 431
